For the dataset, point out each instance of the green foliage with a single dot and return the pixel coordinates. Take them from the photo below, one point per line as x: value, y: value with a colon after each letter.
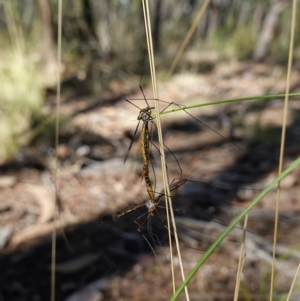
x: 280, y: 44
x: 20, y: 102
x: 243, y: 42
x: 107, y: 38
x: 236, y: 44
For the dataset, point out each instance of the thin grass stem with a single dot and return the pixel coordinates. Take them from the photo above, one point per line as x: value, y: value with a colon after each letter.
x: 283, y: 133
x: 233, y: 100
x: 241, y: 261
x: 169, y: 208
x: 293, y: 283
x: 58, y: 93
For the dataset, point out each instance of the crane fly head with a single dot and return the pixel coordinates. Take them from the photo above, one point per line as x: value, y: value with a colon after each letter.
x: 145, y: 114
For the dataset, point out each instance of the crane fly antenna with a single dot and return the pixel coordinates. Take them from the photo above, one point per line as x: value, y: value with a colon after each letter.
x: 144, y: 95
x: 212, y: 129
x: 132, y: 104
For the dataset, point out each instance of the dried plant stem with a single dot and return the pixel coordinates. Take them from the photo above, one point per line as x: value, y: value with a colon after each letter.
x: 58, y: 92
x: 187, y: 38
x: 161, y: 147
x: 241, y: 261
x: 284, y: 122
x: 293, y: 283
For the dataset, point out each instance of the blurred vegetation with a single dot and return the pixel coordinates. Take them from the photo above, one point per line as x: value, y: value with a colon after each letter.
x: 21, y: 93
x: 21, y: 103
x: 104, y: 41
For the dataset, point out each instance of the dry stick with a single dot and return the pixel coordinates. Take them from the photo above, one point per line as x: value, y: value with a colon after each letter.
x: 241, y: 261
x: 155, y: 94
x: 187, y: 38
x: 161, y: 144
x: 53, y: 250
x: 284, y: 122
x: 293, y: 283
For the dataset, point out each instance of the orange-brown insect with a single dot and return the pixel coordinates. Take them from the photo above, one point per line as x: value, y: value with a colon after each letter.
x: 145, y: 141
x: 145, y: 117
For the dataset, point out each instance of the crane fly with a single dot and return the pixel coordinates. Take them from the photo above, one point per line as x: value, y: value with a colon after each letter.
x: 145, y: 139
x: 145, y: 116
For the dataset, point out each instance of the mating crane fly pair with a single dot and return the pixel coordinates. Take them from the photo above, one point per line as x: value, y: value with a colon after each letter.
x: 145, y: 117
x: 145, y: 139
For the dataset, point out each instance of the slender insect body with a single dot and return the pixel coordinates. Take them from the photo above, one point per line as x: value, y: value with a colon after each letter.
x: 145, y: 116
x: 145, y: 141
x: 149, y: 186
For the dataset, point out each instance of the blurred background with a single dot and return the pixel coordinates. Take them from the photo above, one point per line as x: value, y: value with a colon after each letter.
x: 239, y: 49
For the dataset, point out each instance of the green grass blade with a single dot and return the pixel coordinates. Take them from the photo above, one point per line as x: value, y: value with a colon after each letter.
x: 231, y: 226
x: 226, y: 101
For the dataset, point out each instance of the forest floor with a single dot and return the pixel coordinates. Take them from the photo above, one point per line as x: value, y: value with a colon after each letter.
x: 99, y: 258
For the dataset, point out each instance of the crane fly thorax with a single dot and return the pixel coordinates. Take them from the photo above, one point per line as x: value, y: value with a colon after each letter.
x: 150, y: 205
x: 145, y: 114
